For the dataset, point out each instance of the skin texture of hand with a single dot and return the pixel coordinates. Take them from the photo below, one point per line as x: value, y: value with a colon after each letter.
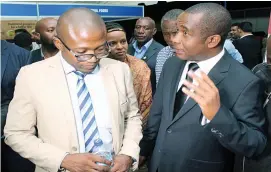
x: 85, y: 162
x: 122, y: 163
x: 142, y: 161
x: 205, y: 94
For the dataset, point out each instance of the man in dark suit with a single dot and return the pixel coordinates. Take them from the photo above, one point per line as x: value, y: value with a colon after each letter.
x: 145, y: 47
x: 248, y: 45
x: 12, y: 59
x: 45, y: 30
x: 198, y: 123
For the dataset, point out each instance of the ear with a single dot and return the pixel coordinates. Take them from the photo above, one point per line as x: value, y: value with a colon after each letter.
x: 37, y: 34
x: 213, y: 41
x: 58, y: 43
x: 154, y: 31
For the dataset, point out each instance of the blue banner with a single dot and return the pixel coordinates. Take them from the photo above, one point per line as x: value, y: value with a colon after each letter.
x: 46, y: 9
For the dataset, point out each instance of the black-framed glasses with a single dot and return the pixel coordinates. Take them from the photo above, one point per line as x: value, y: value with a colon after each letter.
x: 99, y: 53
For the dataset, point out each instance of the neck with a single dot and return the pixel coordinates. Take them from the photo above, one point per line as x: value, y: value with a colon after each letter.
x: 210, y: 54
x: 245, y: 33
x: 48, y: 51
x: 141, y: 44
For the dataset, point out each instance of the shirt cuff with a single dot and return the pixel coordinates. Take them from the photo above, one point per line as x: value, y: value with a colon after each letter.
x: 204, y: 121
x: 61, y: 168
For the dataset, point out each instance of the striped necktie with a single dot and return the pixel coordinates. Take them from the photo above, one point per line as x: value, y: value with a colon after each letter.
x: 87, y: 113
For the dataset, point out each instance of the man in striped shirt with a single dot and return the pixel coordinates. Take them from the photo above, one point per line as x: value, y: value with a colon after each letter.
x: 169, y: 30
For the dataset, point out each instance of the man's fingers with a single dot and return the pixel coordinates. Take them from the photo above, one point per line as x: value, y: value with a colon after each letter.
x: 199, y: 81
x: 97, y: 158
x: 192, y: 95
x: 207, y: 79
x: 198, y: 90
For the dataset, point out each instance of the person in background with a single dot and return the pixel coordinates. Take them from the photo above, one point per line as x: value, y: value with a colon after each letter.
x: 248, y: 45
x: 169, y: 30
x: 73, y: 100
x: 116, y: 38
x: 12, y: 59
x: 45, y: 31
x: 23, y: 40
x: 145, y: 47
x: 233, y: 51
x: 235, y: 31
x: 207, y: 105
x: 268, y: 50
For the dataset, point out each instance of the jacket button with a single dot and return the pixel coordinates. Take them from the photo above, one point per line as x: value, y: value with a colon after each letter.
x: 74, y: 148
x: 169, y: 131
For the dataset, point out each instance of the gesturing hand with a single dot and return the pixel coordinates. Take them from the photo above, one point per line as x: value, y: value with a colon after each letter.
x: 85, y: 162
x: 122, y: 163
x: 204, y: 93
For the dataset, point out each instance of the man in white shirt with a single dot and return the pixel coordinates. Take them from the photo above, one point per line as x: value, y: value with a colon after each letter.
x: 74, y: 99
x: 207, y: 104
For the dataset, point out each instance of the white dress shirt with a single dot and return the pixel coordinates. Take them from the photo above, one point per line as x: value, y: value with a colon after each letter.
x: 99, y: 99
x: 205, y: 66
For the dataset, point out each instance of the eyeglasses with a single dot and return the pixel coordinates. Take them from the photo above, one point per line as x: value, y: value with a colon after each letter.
x: 102, y: 52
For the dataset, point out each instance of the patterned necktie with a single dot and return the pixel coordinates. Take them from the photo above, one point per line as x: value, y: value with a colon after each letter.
x: 180, y: 96
x: 87, y: 113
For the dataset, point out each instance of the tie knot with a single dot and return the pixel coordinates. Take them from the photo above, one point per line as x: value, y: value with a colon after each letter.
x: 193, y: 67
x: 80, y: 75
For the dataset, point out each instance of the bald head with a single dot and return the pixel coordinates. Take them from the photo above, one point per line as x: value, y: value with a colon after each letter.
x: 150, y: 20
x: 78, y: 20
x: 43, y: 23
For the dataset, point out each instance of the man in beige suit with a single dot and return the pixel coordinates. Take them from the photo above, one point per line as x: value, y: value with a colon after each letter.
x: 47, y: 98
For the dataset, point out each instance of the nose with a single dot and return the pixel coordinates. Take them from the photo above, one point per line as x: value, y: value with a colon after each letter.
x: 119, y: 46
x: 175, y: 38
x: 141, y: 30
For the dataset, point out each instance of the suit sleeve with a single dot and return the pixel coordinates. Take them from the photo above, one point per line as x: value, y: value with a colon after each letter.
x: 20, y: 133
x: 241, y: 129
x: 132, y: 123
x: 153, y: 123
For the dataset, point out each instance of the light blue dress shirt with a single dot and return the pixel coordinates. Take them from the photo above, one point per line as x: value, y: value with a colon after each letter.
x: 139, y: 53
x: 233, y: 51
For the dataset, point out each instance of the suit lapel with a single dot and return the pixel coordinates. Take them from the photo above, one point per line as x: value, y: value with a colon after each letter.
x: 177, y: 72
x: 150, y: 52
x: 217, y: 74
x: 4, y: 58
x: 112, y: 95
x: 63, y: 99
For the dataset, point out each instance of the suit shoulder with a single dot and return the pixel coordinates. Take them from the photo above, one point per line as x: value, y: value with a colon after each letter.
x: 108, y: 62
x: 157, y: 44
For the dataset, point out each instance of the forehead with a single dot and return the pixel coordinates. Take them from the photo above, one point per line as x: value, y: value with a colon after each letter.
x: 85, y: 37
x: 49, y: 23
x: 234, y: 27
x: 189, y: 21
x: 144, y: 22
x: 116, y: 35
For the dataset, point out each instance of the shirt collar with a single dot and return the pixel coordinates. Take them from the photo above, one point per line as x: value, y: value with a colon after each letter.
x: 207, y: 65
x: 246, y: 35
x: 145, y: 46
x: 70, y: 69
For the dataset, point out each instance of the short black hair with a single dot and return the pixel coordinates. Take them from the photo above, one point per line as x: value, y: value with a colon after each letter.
x: 17, y: 31
x: 23, y: 40
x: 171, y: 15
x: 112, y: 26
x: 216, y: 20
x: 235, y: 24
x: 246, y: 26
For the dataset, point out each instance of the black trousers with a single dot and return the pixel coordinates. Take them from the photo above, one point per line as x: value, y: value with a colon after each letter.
x: 13, y: 162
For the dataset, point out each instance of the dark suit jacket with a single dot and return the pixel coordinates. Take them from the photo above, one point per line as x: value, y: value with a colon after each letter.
x: 151, y: 56
x: 251, y: 49
x: 182, y: 144
x: 12, y: 59
x: 36, y: 56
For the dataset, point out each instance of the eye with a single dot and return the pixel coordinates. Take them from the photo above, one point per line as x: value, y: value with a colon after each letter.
x: 185, y: 32
x: 111, y: 44
x: 123, y: 42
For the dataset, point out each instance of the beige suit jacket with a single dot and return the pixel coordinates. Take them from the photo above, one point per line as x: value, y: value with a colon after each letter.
x: 42, y: 100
